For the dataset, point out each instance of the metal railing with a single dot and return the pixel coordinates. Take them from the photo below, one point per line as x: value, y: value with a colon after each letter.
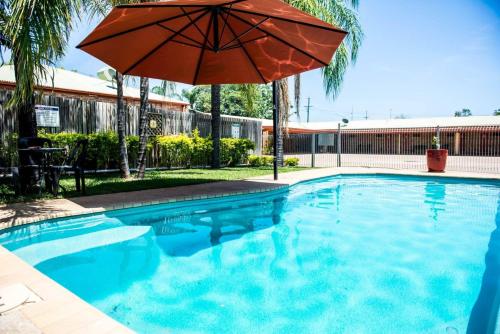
x: 471, y: 149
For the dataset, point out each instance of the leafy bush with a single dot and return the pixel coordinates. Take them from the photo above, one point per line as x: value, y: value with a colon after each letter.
x: 175, y: 151
x: 164, y: 151
x: 202, y: 149
x: 267, y: 160
x: 8, y: 151
x: 291, y: 162
x: 254, y: 161
x: 234, y: 151
x: 257, y: 161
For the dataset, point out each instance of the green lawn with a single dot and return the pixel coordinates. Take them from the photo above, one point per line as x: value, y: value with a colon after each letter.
x: 112, y: 183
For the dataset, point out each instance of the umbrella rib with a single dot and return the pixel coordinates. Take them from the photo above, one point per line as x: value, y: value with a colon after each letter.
x: 247, y: 54
x: 195, y: 25
x: 245, y: 32
x: 187, y: 44
x: 290, y: 20
x: 202, y: 52
x: 243, y: 43
x: 225, y: 21
x: 182, y: 35
x: 282, y: 41
x: 163, y: 43
x: 81, y: 45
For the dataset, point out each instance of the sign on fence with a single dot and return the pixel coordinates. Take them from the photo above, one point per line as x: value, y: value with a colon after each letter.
x: 47, y: 116
x: 235, y: 130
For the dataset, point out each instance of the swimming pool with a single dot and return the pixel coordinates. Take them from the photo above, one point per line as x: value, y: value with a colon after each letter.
x: 343, y: 254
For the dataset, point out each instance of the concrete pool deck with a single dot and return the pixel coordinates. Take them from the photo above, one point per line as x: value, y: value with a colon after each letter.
x: 59, y: 310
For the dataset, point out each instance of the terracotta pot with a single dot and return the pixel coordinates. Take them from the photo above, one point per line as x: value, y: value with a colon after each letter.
x: 436, y: 160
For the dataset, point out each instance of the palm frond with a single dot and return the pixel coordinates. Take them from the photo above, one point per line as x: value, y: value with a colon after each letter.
x: 343, y: 14
x: 38, y: 31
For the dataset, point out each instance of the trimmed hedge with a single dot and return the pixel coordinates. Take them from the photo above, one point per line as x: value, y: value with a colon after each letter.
x: 163, y: 151
x: 257, y: 161
x: 291, y: 162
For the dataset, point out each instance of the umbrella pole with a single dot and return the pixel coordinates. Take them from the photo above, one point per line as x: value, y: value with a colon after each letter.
x: 275, y: 128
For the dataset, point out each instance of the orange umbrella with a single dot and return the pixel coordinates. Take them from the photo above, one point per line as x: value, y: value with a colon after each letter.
x: 213, y: 41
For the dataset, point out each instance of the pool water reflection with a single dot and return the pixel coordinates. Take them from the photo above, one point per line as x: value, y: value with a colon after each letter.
x: 345, y: 254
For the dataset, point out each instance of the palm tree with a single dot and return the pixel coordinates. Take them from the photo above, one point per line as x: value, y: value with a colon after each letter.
x: 215, y: 101
x: 166, y: 89
x: 143, y: 127
x: 120, y: 111
x: 101, y: 8
x: 36, y: 32
x: 344, y: 15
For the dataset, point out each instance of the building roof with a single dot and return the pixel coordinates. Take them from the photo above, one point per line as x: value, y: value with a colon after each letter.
x: 81, y: 84
x: 409, y: 123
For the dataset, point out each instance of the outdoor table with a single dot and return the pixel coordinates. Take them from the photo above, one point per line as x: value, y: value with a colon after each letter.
x: 47, y: 153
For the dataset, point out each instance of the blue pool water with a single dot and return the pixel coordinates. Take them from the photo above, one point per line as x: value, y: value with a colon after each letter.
x: 345, y: 254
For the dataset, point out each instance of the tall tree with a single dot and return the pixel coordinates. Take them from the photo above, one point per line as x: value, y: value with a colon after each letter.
x: 284, y: 108
x: 463, y: 113
x: 143, y: 127
x: 247, y: 100
x: 120, y: 112
x: 166, y: 89
x: 215, y: 101
x: 343, y: 14
x: 36, y: 32
x: 101, y: 8
x: 296, y: 93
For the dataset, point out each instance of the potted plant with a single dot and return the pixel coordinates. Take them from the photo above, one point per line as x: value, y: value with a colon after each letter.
x: 436, y: 157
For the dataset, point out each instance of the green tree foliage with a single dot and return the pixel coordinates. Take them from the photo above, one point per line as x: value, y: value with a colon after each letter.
x: 496, y: 112
x: 239, y: 100
x: 36, y: 32
x: 463, y: 113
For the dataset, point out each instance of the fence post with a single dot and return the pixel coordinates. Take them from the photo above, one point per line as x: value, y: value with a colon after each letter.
x: 313, y: 150
x: 339, y: 147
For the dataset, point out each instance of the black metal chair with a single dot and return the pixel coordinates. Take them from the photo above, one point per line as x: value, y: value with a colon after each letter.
x: 75, y: 162
x: 31, y: 163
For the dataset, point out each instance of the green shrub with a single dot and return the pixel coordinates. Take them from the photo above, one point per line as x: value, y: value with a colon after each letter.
x: 254, y: 161
x: 175, y: 151
x: 257, y: 161
x: 202, y: 149
x: 8, y: 151
x: 234, y: 151
x: 267, y: 160
x: 291, y: 162
x: 103, y: 151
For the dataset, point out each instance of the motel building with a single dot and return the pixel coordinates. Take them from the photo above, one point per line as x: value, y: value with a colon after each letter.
x: 461, y: 136
x: 59, y: 82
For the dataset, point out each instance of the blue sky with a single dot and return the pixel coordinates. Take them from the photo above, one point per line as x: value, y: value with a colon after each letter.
x: 420, y: 58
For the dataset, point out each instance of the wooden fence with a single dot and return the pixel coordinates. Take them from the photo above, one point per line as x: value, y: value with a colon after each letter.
x: 89, y: 115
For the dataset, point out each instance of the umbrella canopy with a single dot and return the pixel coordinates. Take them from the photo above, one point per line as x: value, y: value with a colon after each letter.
x: 213, y: 41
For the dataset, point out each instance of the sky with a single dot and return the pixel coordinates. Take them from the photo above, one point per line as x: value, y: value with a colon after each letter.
x: 419, y: 58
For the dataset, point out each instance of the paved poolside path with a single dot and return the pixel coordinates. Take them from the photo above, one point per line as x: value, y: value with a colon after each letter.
x: 59, y: 310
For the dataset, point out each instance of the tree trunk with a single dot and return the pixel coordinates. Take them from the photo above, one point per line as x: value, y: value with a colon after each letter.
x: 296, y: 93
x: 284, y: 108
x: 215, y: 90
x: 120, y: 111
x: 26, y: 121
x: 143, y: 120
x: 26, y: 116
